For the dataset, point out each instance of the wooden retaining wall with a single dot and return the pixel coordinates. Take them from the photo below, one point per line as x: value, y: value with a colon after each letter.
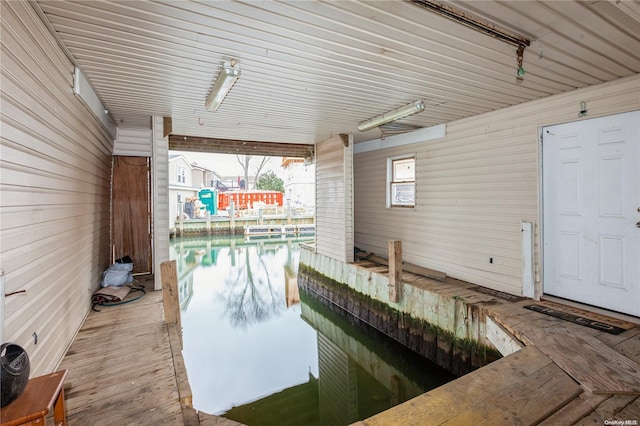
x: 441, y: 326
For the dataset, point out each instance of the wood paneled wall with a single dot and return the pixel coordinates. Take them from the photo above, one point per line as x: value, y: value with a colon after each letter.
x: 474, y: 187
x: 55, y: 189
x: 133, y: 142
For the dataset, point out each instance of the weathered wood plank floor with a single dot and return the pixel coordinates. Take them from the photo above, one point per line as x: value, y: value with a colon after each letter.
x: 121, y: 367
x: 526, y: 387
x: 606, y: 365
x: 126, y: 368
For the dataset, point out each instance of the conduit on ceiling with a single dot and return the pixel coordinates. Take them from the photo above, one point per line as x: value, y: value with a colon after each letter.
x: 472, y: 22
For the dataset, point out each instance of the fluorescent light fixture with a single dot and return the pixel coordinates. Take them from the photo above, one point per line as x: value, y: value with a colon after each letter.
x: 396, y: 114
x: 228, y: 76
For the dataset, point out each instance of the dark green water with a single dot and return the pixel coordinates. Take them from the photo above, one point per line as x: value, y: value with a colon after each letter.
x: 261, y: 352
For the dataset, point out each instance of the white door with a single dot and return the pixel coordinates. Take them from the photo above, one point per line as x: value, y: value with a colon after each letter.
x: 591, y: 206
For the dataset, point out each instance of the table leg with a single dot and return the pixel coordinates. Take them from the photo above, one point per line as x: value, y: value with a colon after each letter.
x: 59, y: 412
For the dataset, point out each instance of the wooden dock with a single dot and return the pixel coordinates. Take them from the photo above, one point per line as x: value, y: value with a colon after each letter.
x: 121, y: 368
x: 282, y: 230
x: 565, y: 374
x: 126, y: 368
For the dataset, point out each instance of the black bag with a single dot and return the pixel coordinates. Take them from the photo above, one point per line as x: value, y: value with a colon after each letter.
x: 15, y: 372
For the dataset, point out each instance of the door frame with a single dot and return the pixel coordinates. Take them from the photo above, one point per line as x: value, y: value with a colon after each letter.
x: 539, y: 283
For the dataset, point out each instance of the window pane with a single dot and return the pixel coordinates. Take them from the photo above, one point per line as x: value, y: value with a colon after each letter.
x: 403, y: 194
x: 404, y: 170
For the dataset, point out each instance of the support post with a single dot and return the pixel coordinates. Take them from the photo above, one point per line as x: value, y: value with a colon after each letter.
x: 232, y: 218
x: 395, y: 270
x: 207, y: 216
x: 528, y: 276
x: 2, y: 291
x: 180, y: 220
x: 170, y: 295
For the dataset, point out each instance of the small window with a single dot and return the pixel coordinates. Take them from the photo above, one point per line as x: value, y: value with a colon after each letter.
x: 401, y: 178
x: 182, y: 175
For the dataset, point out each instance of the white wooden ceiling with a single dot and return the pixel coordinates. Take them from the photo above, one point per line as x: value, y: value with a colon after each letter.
x: 312, y: 69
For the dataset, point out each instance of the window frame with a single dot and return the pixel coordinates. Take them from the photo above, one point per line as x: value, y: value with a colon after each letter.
x: 182, y: 174
x: 391, y: 183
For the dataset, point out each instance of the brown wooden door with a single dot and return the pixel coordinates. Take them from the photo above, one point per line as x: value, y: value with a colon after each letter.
x: 131, y: 217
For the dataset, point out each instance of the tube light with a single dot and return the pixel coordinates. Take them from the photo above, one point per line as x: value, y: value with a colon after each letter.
x: 396, y: 114
x: 228, y: 76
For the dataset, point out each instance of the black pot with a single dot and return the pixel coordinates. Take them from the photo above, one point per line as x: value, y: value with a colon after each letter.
x: 15, y: 372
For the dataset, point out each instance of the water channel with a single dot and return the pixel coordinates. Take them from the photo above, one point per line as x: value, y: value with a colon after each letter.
x: 259, y: 351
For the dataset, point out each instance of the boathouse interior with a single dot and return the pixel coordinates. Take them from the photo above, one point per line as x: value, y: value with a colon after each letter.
x: 89, y: 87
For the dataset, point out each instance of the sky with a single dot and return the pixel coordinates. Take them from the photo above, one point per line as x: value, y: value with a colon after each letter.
x: 227, y: 164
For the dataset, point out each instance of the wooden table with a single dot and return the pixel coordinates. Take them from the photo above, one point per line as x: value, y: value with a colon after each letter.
x: 39, y: 396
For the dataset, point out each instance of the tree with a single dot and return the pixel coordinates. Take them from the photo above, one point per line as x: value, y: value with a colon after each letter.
x: 270, y: 182
x: 245, y: 161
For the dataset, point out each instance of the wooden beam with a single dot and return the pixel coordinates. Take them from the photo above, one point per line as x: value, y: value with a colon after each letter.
x: 167, y: 126
x: 409, y: 267
x: 430, y: 273
x: 345, y: 139
x: 240, y: 147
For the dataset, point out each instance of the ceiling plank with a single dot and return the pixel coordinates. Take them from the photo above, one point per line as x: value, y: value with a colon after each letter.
x: 315, y: 69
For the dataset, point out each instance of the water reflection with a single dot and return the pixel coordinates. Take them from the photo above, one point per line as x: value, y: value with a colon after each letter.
x: 248, y: 293
x: 243, y: 335
x: 257, y: 355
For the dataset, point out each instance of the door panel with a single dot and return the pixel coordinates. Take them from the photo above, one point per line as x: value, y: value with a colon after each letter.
x: 591, y: 203
x: 131, y: 222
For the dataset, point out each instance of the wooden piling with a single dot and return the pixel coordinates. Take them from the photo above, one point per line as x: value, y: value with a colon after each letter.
x: 395, y: 270
x: 170, y: 295
x: 232, y: 218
